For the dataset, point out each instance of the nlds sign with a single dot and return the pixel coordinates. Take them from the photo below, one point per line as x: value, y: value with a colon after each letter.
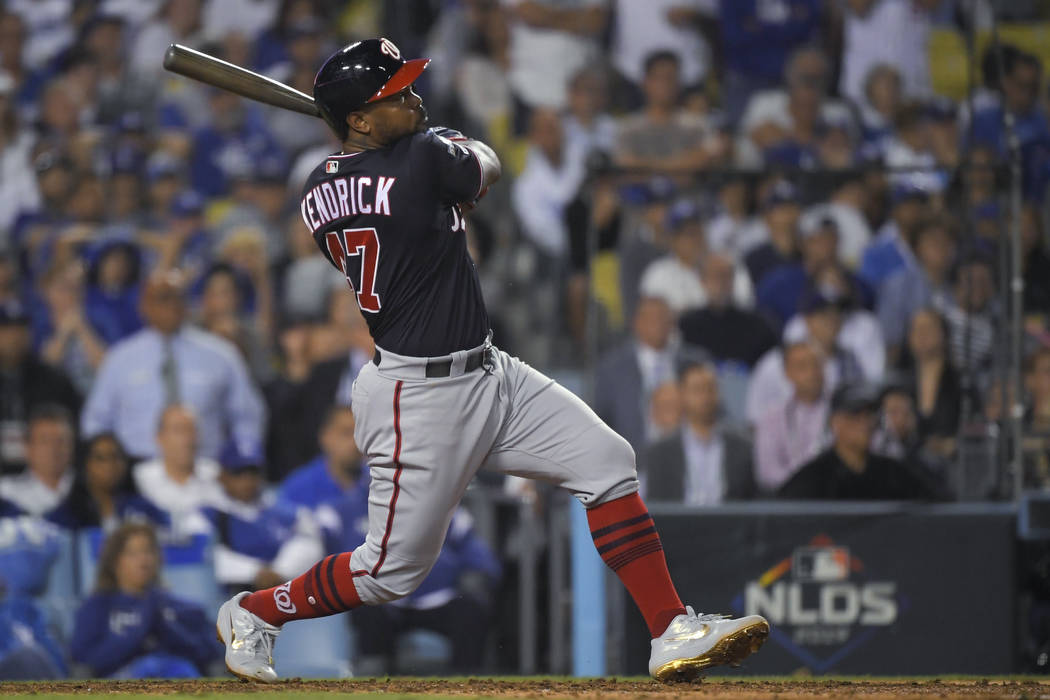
x: 821, y: 603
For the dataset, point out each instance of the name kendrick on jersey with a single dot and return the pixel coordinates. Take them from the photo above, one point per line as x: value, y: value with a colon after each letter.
x: 341, y: 197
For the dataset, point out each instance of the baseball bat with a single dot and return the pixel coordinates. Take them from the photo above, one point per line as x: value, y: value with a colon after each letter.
x: 213, y: 71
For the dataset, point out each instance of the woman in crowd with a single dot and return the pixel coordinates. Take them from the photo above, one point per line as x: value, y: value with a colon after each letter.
x: 103, y: 494
x: 130, y: 627
x: 935, y: 384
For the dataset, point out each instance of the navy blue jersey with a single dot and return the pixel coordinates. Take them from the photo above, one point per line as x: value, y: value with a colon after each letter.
x: 389, y: 219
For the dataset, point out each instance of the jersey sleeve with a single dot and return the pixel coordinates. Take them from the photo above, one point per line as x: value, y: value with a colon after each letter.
x: 452, y: 169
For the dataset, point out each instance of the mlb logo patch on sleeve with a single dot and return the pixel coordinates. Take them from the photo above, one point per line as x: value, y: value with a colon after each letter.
x: 331, y: 166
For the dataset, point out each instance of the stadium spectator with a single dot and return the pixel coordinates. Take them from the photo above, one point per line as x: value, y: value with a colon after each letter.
x: 26, y: 384
x: 782, y: 289
x: 642, y: 238
x: 67, y: 337
x: 222, y: 313
x: 891, y: 33
x: 883, y: 94
x: 640, y: 29
x: 702, y: 463
x: 103, y: 494
x: 897, y: 435
x: 722, y: 327
x: 130, y: 627
x: 846, y: 208
x: 731, y: 214
x: 308, y: 278
x: 937, y: 385
x: 44, y: 488
x: 790, y: 117
x: 169, y: 362
x: 907, y: 290
x: 665, y: 410
x: 120, y: 88
x: 973, y: 316
x: 772, y: 239
x: 554, y: 171
x: 18, y: 187
x: 184, y: 242
x: 111, y: 298
x: 260, y: 542
x: 676, y: 278
x: 454, y: 600
x: 758, y: 39
x: 336, y: 470
x: 823, y: 320
x: 848, y: 470
x: 787, y: 435
x: 178, y: 481
x: 890, y: 250
x: 1037, y: 419
x: 29, y: 649
x: 628, y: 373
x: 175, y: 22
x: 664, y: 137
x: 587, y: 122
x: 549, y: 43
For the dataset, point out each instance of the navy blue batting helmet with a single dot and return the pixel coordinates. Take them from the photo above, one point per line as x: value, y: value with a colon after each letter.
x: 362, y: 72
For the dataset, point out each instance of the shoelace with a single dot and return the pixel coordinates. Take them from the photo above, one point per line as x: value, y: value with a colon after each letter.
x: 260, y: 636
x: 711, y: 617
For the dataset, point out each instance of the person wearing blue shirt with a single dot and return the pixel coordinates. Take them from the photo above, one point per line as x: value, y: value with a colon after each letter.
x: 111, y: 299
x: 890, y: 250
x: 172, y: 363
x: 453, y: 600
x: 261, y: 541
x: 28, y: 649
x: 130, y: 627
x: 335, y: 471
x: 757, y: 37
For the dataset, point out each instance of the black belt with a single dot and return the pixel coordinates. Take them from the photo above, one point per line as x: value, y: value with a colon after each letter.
x: 443, y: 368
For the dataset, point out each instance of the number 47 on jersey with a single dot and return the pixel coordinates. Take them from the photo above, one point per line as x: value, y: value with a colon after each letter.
x: 363, y: 244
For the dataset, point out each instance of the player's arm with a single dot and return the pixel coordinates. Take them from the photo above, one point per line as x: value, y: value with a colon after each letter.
x: 464, y: 167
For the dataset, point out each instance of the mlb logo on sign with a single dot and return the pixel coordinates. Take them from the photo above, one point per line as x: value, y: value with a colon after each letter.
x: 331, y: 166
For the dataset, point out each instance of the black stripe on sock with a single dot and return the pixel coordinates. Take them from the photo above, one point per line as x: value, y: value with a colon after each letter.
x: 630, y: 555
x: 316, y: 571
x: 651, y: 530
x: 602, y: 532
x: 331, y: 583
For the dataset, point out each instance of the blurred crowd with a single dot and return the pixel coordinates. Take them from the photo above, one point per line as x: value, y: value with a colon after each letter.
x: 778, y: 250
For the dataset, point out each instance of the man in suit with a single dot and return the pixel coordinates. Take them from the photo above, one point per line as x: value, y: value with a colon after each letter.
x: 628, y: 373
x: 702, y: 463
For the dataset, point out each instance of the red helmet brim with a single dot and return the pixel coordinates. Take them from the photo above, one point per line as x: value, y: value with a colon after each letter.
x: 405, y: 76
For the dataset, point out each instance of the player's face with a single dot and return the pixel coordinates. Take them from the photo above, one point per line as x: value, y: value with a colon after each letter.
x: 396, y: 116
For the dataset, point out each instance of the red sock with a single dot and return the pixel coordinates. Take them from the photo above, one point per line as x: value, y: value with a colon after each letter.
x: 627, y: 541
x: 326, y: 589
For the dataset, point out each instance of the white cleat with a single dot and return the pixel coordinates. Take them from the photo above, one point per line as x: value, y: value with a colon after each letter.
x: 692, y: 643
x: 249, y: 641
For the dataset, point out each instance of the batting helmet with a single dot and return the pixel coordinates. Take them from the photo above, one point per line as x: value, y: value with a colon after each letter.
x: 362, y: 72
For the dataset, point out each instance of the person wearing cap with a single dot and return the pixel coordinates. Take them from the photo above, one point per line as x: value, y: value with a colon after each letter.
x: 183, y: 241
x: 260, y: 540
x: 170, y: 362
x: 335, y: 470
x: 848, y: 470
x: 890, y: 250
x: 25, y: 384
x: 676, y: 278
x: 772, y: 240
x: 780, y: 292
x: 845, y: 207
x: 645, y: 240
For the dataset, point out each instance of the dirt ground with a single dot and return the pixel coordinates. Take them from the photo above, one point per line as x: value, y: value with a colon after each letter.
x: 603, y: 689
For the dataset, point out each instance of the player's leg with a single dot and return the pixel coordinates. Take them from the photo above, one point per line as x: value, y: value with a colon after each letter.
x: 551, y: 434
x: 424, y: 440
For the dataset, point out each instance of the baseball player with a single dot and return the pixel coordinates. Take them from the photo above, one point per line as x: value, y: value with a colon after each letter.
x: 438, y: 402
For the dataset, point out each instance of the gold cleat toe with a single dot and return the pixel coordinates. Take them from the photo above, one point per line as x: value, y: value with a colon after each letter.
x: 730, y: 651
